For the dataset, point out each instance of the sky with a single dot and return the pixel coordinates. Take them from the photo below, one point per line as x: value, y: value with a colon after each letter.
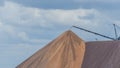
x: 28, y: 25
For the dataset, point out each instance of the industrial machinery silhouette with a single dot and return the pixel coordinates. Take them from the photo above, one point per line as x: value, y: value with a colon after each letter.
x: 116, y: 35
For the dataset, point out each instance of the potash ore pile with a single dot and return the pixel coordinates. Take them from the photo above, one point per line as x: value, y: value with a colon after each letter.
x: 70, y: 51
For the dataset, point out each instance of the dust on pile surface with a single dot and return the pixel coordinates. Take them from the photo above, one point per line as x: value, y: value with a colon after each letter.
x: 66, y: 51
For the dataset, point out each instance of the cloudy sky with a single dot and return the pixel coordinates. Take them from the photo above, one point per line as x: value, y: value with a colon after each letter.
x: 28, y: 25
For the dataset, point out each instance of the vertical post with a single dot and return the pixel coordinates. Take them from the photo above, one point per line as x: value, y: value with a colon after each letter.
x: 115, y: 31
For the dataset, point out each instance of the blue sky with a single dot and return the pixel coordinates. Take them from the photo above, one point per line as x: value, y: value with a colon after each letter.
x: 28, y: 25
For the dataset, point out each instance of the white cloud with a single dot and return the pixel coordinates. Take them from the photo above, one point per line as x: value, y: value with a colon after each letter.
x: 17, y: 14
x: 23, y: 36
x: 13, y: 14
x: 117, y: 22
x: 7, y: 28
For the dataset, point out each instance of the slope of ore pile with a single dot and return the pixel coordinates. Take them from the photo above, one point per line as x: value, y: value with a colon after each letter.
x: 66, y: 51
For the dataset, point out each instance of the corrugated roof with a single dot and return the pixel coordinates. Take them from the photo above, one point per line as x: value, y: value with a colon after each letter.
x: 102, y: 54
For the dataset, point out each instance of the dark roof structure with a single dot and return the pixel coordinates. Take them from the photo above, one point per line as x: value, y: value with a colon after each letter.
x: 102, y: 54
x: 66, y: 51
